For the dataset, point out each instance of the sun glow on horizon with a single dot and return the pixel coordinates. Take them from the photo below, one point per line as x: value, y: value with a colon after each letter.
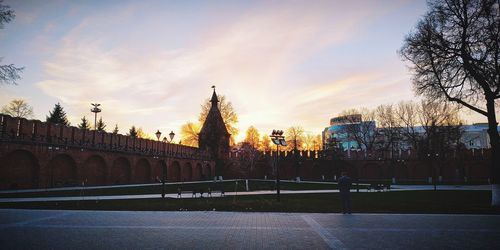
x: 151, y: 63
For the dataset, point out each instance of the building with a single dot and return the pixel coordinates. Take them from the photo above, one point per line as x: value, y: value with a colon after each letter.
x: 345, y: 132
x: 476, y: 136
x: 214, y: 136
x: 343, y: 129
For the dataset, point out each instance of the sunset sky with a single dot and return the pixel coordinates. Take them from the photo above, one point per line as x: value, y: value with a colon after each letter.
x: 152, y: 63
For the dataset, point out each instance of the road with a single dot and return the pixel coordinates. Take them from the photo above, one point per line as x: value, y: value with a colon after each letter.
x: 46, y: 229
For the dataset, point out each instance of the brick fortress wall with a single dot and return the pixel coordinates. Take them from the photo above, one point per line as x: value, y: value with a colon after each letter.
x: 464, y: 166
x: 40, y: 154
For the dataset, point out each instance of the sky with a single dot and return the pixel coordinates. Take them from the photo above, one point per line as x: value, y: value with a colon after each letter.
x: 151, y: 63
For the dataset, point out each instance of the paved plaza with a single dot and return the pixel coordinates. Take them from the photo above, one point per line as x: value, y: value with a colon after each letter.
x: 46, y: 229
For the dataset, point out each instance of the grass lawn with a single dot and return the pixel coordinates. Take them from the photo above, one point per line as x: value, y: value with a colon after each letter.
x: 454, y: 202
x: 227, y: 186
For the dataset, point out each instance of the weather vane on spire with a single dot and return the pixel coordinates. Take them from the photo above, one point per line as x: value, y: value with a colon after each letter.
x: 213, y: 86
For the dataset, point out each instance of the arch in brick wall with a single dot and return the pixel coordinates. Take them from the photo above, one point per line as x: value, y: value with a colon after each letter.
x: 199, y: 172
x: 120, y: 171
x: 93, y: 171
x: 142, y: 171
x: 207, y: 171
x: 316, y: 171
x: 175, y: 171
x: 370, y: 171
x: 158, y: 169
x: 19, y: 169
x: 188, y: 172
x: 421, y: 170
x: 62, y: 171
x: 478, y: 171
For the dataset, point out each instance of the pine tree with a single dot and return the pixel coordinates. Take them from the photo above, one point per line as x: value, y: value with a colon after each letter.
x: 84, y: 124
x: 115, y: 131
x: 132, y: 132
x: 100, y: 125
x: 58, y: 116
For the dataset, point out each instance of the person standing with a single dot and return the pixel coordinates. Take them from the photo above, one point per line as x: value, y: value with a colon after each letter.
x: 345, y: 192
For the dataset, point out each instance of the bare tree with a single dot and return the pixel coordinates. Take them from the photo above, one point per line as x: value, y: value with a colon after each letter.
x: 309, y: 142
x: 442, y: 126
x: 388, y: 131
x: 141, y: 134
x: 252, y: 137
x: 407, y: 115
x: 317, y: 143
x: 190, y: 134
x: 294, y: 137
x: 455, y: 55
x: 18, y: 108
x: 8, y: 73
x: 265, y: 144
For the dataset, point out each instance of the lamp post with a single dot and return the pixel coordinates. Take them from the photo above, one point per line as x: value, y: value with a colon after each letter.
x: 278, y: 139
x: 158, y: 135
x: 95, y: 110
x: 164, y: 169
x: 171, y: 135
x: 432, y: 159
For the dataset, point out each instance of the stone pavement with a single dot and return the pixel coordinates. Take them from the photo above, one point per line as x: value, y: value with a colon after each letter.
x: 45, y: 229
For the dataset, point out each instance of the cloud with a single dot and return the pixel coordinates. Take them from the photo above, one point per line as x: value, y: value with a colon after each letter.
x: 253, y: 58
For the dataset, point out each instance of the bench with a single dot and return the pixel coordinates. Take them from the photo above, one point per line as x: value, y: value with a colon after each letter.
x: 179, y: 193
x: 201, y: 192
x: 379, y: 187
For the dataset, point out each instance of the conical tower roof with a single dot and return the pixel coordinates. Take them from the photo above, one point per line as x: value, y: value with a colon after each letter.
x: 214, y: 123
x: 214, y: 137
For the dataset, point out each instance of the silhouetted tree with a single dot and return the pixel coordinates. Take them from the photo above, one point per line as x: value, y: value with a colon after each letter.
x: 18, y: 108
x: 84, y: 124
x: 454, y: 53
x: 115, y: 130
x: 8, y: 73
x: 101, y: 126
x: 57, y: 115
x: 132, y: 132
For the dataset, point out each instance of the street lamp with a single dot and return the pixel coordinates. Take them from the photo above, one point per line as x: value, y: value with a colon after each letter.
x: 171, y: 135
x: 95, y: 110
x: 158, y: 135
x: 432, y: 159
x: 164, y: 169
x: 279, y: 140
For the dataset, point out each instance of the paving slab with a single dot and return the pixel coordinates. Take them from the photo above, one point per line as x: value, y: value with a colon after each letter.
x: 50, y: 229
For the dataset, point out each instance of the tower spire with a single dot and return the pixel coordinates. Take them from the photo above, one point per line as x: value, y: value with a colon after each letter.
x: 214, y: 99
